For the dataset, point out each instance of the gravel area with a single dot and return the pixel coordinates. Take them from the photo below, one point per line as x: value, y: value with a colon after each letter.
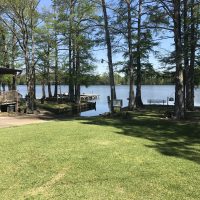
x: 19, y: 120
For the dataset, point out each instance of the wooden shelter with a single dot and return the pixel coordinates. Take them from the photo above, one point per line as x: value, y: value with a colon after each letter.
x: 10, y: 99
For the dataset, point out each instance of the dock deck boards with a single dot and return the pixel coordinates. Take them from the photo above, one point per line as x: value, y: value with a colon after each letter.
x: 83, y: 96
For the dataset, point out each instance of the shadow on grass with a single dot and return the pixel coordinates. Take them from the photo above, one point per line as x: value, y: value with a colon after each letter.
x: 177, y: 139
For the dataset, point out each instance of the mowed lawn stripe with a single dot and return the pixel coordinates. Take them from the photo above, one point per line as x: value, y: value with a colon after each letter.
x: 99, y: 159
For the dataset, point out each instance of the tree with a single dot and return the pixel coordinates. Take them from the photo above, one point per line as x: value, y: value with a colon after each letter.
x: 55, y: 45
x: 185, y: 51
x: 25, y: 17
x: 71, y: 71
x: 193, y: 30
x: 130, y: 53
x: 173, y: 10
x: 179, y: 85
x: 109, y: 54
x: 4, y: 46
x: 75, y: 19
x: 138, y: 99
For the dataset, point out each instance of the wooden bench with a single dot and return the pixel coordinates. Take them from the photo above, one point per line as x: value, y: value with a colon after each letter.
x: 118, y: 103
x: 156, y: 101
x: 11, y: 108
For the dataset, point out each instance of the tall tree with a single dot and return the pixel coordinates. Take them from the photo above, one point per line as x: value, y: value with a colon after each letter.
x: 179, y: 85
x: 186, y: 50
x: 138, y: 99
x: 173, y: 10
x: 193, y: 26
x: 130, y: 53
x: 71, y: 71
x: 133, y: 25
x: 55, y: 29
x: 109, y: 54
x: 76, y: 37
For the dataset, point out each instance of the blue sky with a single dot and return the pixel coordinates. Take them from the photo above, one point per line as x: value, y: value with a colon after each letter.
x: 102, y: 67
x: 45, y: 3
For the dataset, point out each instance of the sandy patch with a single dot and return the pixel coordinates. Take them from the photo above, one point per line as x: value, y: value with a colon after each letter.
x: 10, y: 121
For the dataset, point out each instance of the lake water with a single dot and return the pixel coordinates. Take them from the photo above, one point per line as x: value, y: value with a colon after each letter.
x: 148, y: 92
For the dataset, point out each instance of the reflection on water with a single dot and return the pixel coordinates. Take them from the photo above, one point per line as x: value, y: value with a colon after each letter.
x: 148, y: 92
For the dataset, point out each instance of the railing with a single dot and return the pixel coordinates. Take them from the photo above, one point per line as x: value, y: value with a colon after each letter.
x: 8, y: 97
x: 156, y: 101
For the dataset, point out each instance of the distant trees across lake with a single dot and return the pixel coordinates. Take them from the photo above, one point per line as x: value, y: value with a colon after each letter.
x: 153, y: 78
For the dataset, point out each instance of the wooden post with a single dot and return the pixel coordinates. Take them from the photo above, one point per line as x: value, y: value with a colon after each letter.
x: 17, y: 102
x: 14, y: 87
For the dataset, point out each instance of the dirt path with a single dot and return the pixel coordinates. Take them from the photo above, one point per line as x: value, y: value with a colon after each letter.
x: 10, y: 121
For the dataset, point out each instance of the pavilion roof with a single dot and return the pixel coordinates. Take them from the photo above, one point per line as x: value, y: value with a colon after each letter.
x: 9, y: 71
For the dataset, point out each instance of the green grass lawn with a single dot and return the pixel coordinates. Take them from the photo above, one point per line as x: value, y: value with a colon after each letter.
x: 137, y: 157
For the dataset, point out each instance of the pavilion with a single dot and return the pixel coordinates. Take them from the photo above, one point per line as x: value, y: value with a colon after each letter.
x: 10, y: 99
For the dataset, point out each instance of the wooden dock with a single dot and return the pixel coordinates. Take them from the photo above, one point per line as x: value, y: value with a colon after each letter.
x: 87, y: 97
x: 83, y: 97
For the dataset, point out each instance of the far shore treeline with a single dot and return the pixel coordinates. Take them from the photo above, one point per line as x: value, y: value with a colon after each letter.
x: 151, y: 78
x: 63, y: 44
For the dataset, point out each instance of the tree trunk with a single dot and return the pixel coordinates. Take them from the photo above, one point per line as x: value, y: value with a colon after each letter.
x: 78, y: 86
x: 190, y: 80
x: 48, y: 73
x: 30, y: 84
x: 56, y: 72
x: 131, y: 68
x: 14, y: 42
x: 43, y: 90
x: 5, y: 56
x: 56, y: 55
x: 179, y: 91
x: 34, y: 81
x: 3, y: 87
x: 186, y: 55
x: 5, y: 50
x: 49, y: 89
x: 74, y: 66
x: 33, y: 77
x: 31, y: 89
x: 109, y: 54
x: 30, y: 63
x: 138, y: 99
x: 14, y: 84
x: 71, y: 81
